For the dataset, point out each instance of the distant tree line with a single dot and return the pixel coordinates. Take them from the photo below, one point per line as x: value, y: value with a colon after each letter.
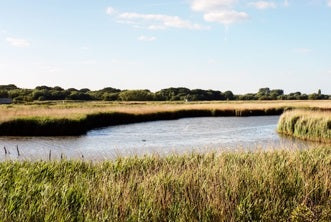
x: 43, y: 93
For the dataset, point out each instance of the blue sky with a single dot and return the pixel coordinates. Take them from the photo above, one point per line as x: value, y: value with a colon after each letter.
x: 210, y: 44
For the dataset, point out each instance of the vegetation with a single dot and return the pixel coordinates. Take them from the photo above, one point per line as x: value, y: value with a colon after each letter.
x: 43, y: 93
x: 76, y: 118
x: 309, y: 125
x: 237, y: 186
x: 38, y: 126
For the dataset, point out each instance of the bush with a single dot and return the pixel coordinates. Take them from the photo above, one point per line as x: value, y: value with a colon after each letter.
x: 136, y: 95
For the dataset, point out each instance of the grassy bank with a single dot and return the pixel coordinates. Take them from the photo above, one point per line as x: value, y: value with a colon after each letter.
x: 43, y: 126
x: 58, y: 119
x: 308, y: 125
x: 238, y: 186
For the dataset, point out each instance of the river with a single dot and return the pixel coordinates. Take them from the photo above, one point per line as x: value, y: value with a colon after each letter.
x: 157, y: 137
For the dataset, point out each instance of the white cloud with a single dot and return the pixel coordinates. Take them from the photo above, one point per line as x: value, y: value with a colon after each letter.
x: 329, y: 3
x: 158, y: 20
x: 18, y: 42
x: 262, y: 4
x: 146, y: 38
x: 110, y: 11
x: 211, y: 5
x: 221, y: 11
x: 226, y: 17
x: 153, y: 21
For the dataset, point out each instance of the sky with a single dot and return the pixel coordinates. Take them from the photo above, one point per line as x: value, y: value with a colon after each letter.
x: 153, y: 44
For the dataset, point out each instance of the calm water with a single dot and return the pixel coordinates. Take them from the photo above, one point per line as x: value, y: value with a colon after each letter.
x: 162, y: 137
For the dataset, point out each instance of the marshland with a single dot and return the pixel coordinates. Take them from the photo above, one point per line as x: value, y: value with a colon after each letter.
x: 281, y: 185
x: 153, y: 110
x: 70, y: 118
x: 195, y: 161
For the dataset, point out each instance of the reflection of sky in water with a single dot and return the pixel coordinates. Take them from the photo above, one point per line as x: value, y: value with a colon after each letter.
x: 162, y: 137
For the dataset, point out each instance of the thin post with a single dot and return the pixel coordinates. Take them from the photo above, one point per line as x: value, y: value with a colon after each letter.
x: 18, y: 151
x: 50, y: 155
x: 5, y: 150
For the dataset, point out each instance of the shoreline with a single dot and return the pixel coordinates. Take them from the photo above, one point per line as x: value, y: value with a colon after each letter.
x: 45, y: 126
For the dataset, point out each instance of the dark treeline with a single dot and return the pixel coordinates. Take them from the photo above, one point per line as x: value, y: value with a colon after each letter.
x: 42, y: 93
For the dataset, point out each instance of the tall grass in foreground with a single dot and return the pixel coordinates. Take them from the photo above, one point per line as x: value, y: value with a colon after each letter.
x: 238, y: 186
x: 309, y: 125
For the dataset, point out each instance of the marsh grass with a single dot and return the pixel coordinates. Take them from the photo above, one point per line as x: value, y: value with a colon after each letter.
x: 279, y: 185
x: 309, y: 125
x: 66, y: 119
x: 78, y: 110
x: 49, y: 126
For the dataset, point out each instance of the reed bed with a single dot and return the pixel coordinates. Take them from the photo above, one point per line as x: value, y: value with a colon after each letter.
x: 76, y: 110
x: 283, y: 185
x: 308, y: 125
x: 59, y: 119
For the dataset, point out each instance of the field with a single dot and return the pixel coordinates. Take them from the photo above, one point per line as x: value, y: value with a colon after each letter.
x: 308, y: 125
x: 283, y: 185
x: 69, y: 118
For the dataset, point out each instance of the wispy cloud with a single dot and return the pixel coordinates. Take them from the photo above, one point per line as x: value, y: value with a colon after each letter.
x: 221, y: 11
x: 3, y: 31
x: 111, y: 11
x: 18, y: 42
x: 303, y: 51
x: 146, y: 38
x: 286, y: 3
x: 225, y: 17
x: 153, y: 21
x: 329, y: 3
x: 50, y: 68
x: 261, y: 5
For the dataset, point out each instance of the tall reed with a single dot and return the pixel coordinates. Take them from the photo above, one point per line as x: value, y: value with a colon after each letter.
x: 309, y: 125
x: 280, y: 185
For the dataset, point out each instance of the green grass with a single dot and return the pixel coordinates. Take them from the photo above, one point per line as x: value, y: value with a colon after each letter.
x: 308, y: 125
x: 279, y: 185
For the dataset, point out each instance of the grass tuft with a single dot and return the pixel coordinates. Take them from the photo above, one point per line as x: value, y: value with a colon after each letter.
x: 308, y: 125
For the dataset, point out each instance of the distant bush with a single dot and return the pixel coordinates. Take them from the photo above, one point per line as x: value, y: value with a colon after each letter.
x: 136, y: 95
x: 169, y: 94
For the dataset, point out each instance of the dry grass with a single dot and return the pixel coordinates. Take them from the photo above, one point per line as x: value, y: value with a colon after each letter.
x: 77, y: 110
x: 304, y: 124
